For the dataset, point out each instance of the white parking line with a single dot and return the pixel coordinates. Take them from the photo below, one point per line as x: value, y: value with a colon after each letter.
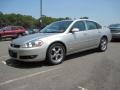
x: 82, y: 88
x: 28, y: 76
x: 4, y: 57
x: 4, y: 62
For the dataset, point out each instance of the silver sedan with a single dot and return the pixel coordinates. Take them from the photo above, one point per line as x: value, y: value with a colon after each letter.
x: 59, y: 39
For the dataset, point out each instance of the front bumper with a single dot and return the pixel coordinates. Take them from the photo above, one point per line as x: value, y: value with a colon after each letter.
x: 27, y: 54
x: 116, y: 35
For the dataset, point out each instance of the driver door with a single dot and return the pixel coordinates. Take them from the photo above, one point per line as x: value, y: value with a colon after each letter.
x: 77, y: 40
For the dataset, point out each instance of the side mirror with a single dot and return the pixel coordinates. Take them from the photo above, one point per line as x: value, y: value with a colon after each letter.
x: 75, y: 30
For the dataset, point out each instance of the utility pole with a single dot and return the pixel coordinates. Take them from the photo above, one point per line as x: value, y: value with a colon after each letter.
x: 41, y: 11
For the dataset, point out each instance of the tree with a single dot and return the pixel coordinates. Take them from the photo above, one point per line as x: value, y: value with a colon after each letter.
x: 26, y: 21
x: 84, y: 17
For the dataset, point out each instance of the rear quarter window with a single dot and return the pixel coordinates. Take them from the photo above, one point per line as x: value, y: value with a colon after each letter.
x: 93, y: 25
x: 98, y: 26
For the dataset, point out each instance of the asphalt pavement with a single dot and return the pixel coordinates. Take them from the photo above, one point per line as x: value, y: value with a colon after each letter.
x: 89, y: 70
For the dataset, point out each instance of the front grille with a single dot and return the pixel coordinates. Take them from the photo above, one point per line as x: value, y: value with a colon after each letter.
x: 28, y: 57
x: 12, y: 54
x: 15, y: 46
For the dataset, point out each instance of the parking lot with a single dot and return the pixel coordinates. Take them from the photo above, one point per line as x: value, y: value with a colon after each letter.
x: 89, y: 70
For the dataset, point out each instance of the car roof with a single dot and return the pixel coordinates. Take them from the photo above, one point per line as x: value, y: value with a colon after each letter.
x: 78, y: 20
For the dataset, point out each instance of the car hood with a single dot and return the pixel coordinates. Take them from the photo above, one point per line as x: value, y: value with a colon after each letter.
x: 25, y: 39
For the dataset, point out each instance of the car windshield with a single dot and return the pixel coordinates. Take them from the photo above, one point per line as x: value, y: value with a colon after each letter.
x: 56, y: 27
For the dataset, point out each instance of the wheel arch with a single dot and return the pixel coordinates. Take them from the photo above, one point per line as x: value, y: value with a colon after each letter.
x: 104, y: 36
x: 56, y: 42
x: 60, y: 43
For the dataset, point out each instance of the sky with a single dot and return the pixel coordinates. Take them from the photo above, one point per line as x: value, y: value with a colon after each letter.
x: 103, y: 11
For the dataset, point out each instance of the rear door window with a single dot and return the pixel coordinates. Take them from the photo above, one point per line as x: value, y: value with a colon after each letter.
x: 14, y: 28
x: 91, y: 25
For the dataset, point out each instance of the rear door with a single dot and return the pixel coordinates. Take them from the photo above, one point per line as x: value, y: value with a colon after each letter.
x: 15, y: 31
x: 93, y: 33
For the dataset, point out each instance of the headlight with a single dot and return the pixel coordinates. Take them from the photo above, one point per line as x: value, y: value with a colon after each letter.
x: 34, y: 43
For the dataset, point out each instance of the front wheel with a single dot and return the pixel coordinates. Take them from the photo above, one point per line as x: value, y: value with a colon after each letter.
x: 56, y: 54
x: 103, y: 44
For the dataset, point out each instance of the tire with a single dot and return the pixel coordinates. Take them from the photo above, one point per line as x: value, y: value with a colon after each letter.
x: 56, y: 54
x: 103, y: 44
x: 14, y: 37
x: 0, y: 38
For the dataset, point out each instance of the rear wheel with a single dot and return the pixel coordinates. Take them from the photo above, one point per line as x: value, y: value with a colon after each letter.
x: 103, y: 44
x: 56, y: 53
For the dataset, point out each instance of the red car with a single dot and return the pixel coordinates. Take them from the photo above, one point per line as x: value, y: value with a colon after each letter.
x: 12, y: 32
